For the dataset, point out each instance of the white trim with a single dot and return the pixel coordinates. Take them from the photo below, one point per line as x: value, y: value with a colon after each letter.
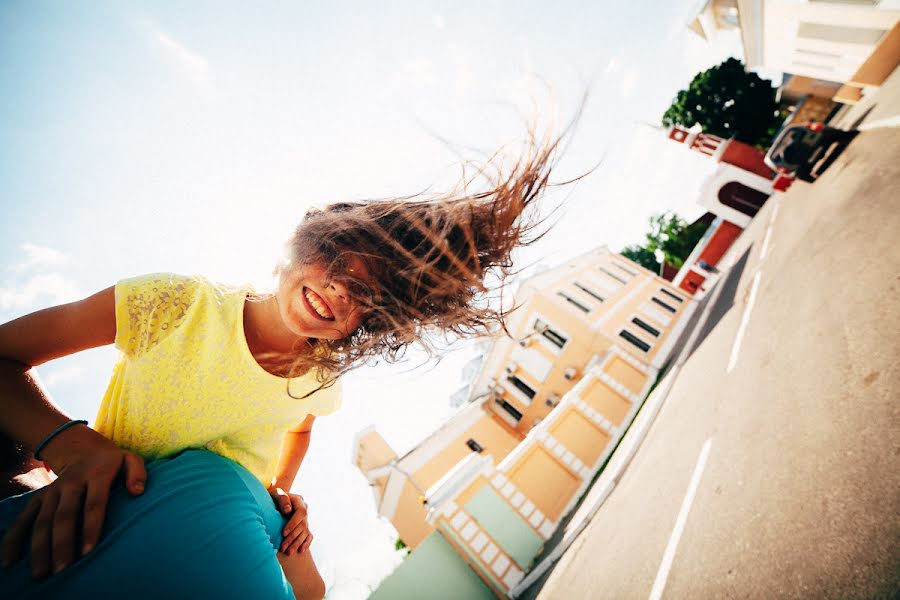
x: 708, y: 194
x: 536, y: 316
x: 392, y: 492
x: 608, y: 480
x: 533, y: 362
x: 621, y: 302
x: 561, y: 297
x: 720, y: 149
x: 435, y: 443
x: 588, y: 290
x: 458, y: 478
x: 379, y: 472
x: 656, y: 314
x: 622, y: 267
x: 594, y: 277
x: 518, y: 394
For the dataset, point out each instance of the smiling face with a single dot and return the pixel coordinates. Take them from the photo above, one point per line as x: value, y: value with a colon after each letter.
x: 314, y: 303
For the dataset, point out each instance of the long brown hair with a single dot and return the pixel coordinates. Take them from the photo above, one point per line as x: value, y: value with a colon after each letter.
x: 439, y: 261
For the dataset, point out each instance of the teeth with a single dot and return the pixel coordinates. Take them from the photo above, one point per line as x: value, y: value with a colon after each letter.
x: 316, y: 303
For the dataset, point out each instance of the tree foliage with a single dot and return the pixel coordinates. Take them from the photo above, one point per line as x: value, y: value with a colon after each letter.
x: 729, y: 102
x: 669, y: 238
x: 642, y: 256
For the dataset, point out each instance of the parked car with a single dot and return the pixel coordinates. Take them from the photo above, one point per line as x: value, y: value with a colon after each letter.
x: 798, y: 148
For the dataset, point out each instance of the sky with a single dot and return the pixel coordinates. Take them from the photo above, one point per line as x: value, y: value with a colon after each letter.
x: 190, y: 137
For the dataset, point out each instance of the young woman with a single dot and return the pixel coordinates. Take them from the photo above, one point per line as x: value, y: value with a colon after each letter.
x: 244, y: 375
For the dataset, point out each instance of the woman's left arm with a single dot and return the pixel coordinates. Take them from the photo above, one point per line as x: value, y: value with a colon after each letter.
x: 296, y: 536
x: 293, y: 450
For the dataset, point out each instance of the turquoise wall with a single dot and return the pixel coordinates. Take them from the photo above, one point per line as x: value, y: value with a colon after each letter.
x: 433, y: 570
x: 505, y: 526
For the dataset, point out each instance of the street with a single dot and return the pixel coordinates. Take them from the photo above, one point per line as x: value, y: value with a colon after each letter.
x: 773, y: 468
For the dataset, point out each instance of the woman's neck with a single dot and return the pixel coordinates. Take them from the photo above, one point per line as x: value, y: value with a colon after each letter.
x: 266, y: 334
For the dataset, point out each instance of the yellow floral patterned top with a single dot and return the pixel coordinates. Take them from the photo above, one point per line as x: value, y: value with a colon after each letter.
x: 185, y: 377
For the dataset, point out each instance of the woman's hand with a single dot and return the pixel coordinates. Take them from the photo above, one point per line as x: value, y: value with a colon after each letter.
x: 295, y: 534
x: 86, y: 464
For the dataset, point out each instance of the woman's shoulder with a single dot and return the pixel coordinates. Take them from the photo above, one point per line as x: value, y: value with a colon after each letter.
x: 171, y: 287
x: 149, y: 307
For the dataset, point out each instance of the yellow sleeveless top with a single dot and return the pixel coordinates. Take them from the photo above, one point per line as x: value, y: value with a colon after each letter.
x: 185, y: 377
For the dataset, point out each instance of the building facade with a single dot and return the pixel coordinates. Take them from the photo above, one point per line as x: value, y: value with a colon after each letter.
x: 544, y: 413
x: 853, y: 43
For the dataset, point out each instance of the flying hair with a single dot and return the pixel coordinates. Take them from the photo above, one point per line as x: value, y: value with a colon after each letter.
x: 438, y: 261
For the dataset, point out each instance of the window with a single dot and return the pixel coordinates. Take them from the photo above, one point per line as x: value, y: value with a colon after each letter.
x: 590, y: 293
x: 521, y: 386
x: 646, y: 327
x: 644, y: 346
x: 510, y: 409
x: 627, y: 270
x: 613, y: 275
x: 675, y: 297
x: 474, y: 446
x: 574, y: 302
x: 554, y: 337
x: 664, y: 305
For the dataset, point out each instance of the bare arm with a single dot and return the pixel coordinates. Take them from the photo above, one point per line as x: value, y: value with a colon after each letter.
x: 296, y: 536
x: 293, y: 451
x: 28, y: 412
x: 86, y: 462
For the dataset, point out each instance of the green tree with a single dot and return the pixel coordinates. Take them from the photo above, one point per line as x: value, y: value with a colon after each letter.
x: 674, y: 236
x: 670, y: 237
x: 729, y: 102
x: 642, y: 256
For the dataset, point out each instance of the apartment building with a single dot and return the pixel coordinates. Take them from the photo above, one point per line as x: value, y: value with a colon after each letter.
x: 476, y: 500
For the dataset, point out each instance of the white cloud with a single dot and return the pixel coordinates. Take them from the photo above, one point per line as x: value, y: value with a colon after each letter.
x: 54, y: 286
x: 439, y: 22
x: 195, y: 67
x: 38, y: 256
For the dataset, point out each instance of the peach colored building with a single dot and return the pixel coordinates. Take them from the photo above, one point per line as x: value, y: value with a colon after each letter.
x: 484, y: 492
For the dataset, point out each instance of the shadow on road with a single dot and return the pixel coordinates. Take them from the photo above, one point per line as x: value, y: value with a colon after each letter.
x: 724, y: 299
x: 856, y: 123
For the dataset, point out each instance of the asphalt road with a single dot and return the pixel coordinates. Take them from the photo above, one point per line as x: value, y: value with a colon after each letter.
x: 784, y: 421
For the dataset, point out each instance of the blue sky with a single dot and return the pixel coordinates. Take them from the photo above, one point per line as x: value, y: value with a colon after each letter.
x: 190, y: 137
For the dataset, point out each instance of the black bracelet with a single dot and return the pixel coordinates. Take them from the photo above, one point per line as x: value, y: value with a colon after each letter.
x: 53, y: 434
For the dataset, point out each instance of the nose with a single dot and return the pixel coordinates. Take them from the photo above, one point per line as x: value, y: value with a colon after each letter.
x: 340, y: 290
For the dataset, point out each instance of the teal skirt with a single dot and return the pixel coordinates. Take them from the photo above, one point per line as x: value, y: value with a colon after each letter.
x: 203, y: 528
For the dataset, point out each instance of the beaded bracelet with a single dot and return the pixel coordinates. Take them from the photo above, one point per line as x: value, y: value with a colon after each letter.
x: 53, y: 434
